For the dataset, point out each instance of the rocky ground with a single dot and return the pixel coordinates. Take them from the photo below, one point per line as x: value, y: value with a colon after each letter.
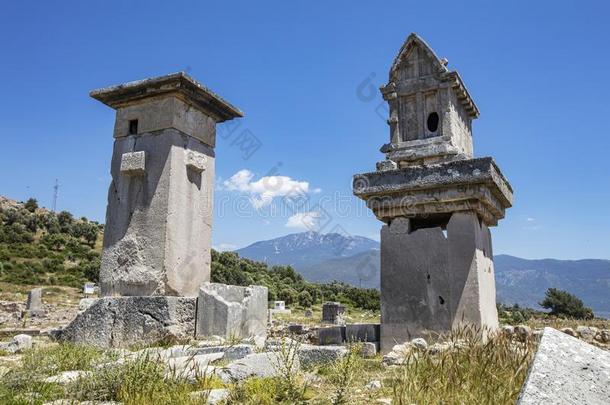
x: 289, y: 368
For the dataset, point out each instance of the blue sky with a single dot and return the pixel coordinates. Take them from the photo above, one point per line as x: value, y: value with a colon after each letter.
x: 299, y: 71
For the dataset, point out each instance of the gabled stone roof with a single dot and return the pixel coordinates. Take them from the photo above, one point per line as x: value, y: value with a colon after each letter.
x: 441, y: 72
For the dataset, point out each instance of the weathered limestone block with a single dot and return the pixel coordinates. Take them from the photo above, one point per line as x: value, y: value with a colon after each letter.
x: 34, y: 304
x: 334, y: 335
x: 567, y: 370
x: 157, y: 237
x: 433, y: 283
x: 125, y: 321
x: 310, y: 355
x: 333, y: 312
x: 232, y: 311
x: 263, y: 365
x: 364, y: 332
x: 462, y: 185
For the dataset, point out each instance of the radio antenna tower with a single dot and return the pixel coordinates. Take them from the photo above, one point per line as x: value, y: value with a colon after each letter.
x: 55, y: 192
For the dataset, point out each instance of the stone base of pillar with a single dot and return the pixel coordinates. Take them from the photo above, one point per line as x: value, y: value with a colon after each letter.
x: 128, y: 321
x: 434, y: 280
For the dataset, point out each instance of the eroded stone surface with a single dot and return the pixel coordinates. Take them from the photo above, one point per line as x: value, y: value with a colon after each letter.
x: 433, y: 283
x: 333, y: 312
x: 310, y: 355
x: 157, y: 237
x: 125, y: 321
x: 437, y: 201
x: 566, y: 370
x: 232, y: 311
x: 267, y: 364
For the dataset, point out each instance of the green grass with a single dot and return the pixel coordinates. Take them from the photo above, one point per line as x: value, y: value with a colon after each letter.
x: 478, y: 372
x: 140, y: 381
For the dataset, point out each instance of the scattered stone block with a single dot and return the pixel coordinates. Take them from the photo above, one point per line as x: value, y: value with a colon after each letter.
x: 508, y: 330
x: 215, y: 396
x: 368, y: 350
x: 67, y: 377
x: 267, y: 364
x: 365, y: 332
x: 522, y: 332
x: 419, y: 343
x: 373, y: 385
x: 587, y: 332
x: 34, y: 303
x: 310, y: 355
x: 603, y: 336
x: 18, y: 344
x: 237, y: 352
x: 334, y: 335
x: 191, y: 367
x: 566, y: 370
x: 333, y: 312
x: 125, y: 321
x: 296, y: 329
x: 232, y: 311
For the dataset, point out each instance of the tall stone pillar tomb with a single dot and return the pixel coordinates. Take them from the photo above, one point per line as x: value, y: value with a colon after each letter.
x: 157, y: 235
x: 437, y: 202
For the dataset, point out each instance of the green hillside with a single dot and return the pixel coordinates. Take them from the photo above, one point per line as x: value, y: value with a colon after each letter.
x: 40, y: 247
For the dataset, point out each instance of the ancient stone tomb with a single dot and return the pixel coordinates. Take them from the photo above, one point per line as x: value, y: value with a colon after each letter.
x: 437, y: 203
x: 155, y: 269
x: 157, y: 236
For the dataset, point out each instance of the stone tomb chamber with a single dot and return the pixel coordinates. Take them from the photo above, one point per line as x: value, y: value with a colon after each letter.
x: 437, y: 202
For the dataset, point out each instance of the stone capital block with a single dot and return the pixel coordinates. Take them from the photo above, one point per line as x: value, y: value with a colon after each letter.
x: 133, y: 163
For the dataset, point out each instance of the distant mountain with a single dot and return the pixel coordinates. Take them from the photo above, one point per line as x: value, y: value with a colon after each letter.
x: 355, y: 260
x: 302, y: 250
x: 525, y: 281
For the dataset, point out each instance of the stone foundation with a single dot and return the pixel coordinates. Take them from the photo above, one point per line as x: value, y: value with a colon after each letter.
x: 126, y: 321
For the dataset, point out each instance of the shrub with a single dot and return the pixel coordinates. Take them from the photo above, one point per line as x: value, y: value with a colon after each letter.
x: 31, y: 205
x: 564, y: 304
x: 305, y: 299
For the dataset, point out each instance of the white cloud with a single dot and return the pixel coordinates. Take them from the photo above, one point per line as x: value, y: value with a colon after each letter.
x: 265, y: 189
x: 223, y: 247
x: 530, y: 219
x: 304, y: 220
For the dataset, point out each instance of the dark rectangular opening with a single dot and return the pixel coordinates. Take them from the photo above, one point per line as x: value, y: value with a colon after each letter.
x: 133, y: 127
x: 431, y: 221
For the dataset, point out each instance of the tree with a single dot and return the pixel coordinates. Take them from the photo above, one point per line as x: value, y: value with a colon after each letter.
x: 305, y: 299
x: 31, y: 205
x: 564, y: 304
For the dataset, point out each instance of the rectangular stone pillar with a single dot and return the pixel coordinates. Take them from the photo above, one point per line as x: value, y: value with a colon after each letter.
x: 433, y: 283
x: 157, y: 237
